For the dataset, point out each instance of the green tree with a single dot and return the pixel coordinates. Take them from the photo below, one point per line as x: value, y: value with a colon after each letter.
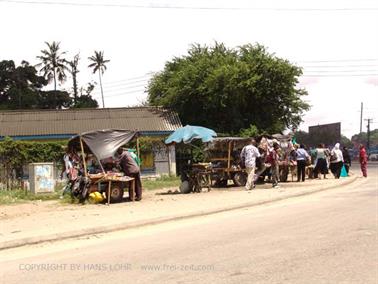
x: 54, y: 100
x: 345, y: 141
x: 361, y: 138
x: 251, y: 131
x: 53, y: 64
x: 74, y: 70
x: 230, y: 89
x: 20, y: 86
x: 98, y: 64
x: 85, y: 99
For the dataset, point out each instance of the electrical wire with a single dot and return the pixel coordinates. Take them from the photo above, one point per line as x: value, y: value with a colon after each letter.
x: 335, y: 71
x: 338, y: 60
x: 339, y: 75
x: 165, y: 6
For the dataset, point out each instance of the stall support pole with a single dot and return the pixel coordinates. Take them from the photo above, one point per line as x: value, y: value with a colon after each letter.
x: 132, y: 197
x: 83, y: 156
x: 137, y: 147
x: 229, y: 159
x: 109, y: 190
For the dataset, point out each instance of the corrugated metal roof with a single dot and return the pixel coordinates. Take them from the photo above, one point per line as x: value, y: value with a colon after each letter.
x: 75, y: 121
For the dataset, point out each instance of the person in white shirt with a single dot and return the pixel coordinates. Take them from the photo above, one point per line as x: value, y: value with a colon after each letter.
x: 249, y: 154
x: 337, y: 160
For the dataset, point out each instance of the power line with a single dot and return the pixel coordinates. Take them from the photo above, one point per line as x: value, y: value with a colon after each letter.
x: 112, y: 90
x: 337, y: 66
x: 147, y: 75
x: 124, y: 93
x: 118, y: 91
x: 125, y: 83
x: 341, y: 71
x: 339, y: 60
x: 340, y: 75
x: 165, y: 6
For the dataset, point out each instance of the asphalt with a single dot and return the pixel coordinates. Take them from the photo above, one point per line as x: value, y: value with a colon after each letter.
x: 56, y: 223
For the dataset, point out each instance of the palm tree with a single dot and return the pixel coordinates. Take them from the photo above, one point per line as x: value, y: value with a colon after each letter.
x: 98, y: 64
x: 74, y: 70
x: 53, y: 65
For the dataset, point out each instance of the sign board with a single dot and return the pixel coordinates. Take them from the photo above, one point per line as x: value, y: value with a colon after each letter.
x: 329, y: 134
x: 41, y: 177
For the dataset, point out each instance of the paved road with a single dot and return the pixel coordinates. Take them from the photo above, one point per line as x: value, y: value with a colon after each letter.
x: 329, y: 237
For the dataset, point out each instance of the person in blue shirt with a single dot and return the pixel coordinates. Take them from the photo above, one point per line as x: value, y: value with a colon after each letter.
x: 302, y: 157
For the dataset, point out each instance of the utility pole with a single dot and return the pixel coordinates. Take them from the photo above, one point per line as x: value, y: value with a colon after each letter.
x: 369, y: 120
x: 362, y: 108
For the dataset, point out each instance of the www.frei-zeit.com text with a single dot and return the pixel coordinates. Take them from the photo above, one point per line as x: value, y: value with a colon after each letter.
x: 113, y: 267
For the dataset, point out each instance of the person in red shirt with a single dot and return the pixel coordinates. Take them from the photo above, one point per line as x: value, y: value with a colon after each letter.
x: 273, y: 160
x: 363, y: 160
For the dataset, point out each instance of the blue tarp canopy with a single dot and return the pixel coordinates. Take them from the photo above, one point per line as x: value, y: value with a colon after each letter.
x: 189, y: 133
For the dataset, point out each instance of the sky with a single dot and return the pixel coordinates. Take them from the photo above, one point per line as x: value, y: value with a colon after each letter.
x: 335, y: 41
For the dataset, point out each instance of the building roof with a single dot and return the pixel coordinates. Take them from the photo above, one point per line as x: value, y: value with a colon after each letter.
x: 65, y: 123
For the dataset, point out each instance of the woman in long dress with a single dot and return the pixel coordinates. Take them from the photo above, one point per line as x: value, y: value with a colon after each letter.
x: 321, y: 165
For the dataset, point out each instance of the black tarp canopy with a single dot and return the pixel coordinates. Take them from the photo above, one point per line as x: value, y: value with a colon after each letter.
x: 103, y: 143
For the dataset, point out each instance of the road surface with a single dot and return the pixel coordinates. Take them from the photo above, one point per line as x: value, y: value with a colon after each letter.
x: 328, y: 237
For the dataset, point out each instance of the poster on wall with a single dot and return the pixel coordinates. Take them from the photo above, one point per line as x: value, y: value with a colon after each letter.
x: 42, y: 177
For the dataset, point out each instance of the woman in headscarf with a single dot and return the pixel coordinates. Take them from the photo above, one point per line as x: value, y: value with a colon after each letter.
x: 337, y: 160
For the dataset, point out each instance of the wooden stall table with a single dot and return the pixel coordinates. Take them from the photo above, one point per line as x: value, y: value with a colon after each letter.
x: 113, y: 177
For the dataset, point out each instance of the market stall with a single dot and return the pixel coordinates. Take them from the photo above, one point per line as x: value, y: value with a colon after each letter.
x: 102, y: 144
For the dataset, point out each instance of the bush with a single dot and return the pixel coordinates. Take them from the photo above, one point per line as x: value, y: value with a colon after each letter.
x: 15, y: 154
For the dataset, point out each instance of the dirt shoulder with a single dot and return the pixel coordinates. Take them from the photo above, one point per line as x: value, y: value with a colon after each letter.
x: 35, y: 222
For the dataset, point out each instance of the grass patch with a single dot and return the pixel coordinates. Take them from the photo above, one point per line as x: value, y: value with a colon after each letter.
x: 19, y: 195
x: 15, y: 196
x: 162, y: 182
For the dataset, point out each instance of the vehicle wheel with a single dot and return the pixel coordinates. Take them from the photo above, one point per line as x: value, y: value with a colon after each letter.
x: 116, y: 194
x: 185, y: 187
x: 240, y: 178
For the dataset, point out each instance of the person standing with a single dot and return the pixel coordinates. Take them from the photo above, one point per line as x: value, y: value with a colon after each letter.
x: 363, y: 160
x: 321, y: 161
x: 131, y: 169
x: 302, y: 157
x: 249, y: 154
x: 273, y: 159
x: 337, y: 160
x: 347, y: 159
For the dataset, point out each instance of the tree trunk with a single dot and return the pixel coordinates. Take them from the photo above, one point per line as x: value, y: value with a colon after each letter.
x: 74, y: 87
x: 54, y: 80
x: 102, y: 93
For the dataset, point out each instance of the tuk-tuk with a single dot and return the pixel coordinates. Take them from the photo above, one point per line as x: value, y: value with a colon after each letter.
x: 102, y: 144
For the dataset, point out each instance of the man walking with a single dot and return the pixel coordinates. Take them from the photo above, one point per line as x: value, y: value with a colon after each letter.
x: 249, y: 154
x: 363, y: 160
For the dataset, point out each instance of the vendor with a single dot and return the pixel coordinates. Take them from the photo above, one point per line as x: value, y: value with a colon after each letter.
x: 131, y: 169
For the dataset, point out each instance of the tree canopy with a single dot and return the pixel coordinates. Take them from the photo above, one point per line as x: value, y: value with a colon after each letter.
x: 98, y: 63
x: 53, y: 65
x: 21, y: 88
x: 231, y: 89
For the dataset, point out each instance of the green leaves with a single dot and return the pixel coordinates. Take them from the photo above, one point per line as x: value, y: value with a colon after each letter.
x: 52, y: 62
x: 98, y: 62
x: 230, y: 89
x: 15, y: 154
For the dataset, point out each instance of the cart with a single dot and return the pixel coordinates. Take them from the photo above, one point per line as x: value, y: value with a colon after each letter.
x: 102, y: 144
x: 224, y: 155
